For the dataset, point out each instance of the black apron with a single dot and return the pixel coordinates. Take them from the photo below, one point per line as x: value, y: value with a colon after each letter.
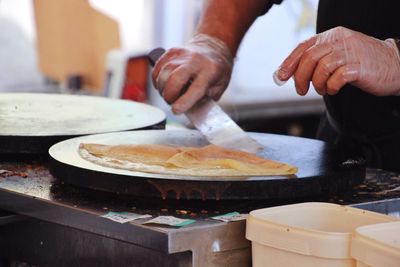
x: 362, y: 124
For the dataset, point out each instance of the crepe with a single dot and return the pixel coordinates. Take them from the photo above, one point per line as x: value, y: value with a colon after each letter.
x: 209, y: 160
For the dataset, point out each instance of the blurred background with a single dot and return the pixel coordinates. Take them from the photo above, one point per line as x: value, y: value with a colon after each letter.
x: 99, y: 47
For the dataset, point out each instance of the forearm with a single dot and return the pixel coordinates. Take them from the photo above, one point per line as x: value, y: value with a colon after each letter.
x: 206, y: 59
x: 229, y: 20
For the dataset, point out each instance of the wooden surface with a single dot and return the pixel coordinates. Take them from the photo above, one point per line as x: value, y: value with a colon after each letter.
x: 73, y: 38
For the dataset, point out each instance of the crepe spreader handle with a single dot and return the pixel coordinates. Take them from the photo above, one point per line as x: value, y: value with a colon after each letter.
x: 155, y: 54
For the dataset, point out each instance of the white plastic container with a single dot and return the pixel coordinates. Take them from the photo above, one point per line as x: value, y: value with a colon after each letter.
x: 377, y: 245
x: 306, y: 234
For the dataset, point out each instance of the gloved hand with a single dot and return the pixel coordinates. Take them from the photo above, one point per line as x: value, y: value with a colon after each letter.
x: 205, y: 61
x: 339, y: 56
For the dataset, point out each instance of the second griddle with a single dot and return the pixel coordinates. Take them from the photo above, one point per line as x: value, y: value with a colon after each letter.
x: 31, y: 122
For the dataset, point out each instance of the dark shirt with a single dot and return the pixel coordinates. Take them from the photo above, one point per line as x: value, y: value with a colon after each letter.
x: 365, y: 123
x: 370, y: 122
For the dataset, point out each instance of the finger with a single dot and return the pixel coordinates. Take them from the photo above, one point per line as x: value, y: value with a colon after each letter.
x: 167, y: 56
x: 157, y: 68
x: 162, y: 78
x: 215, y: 92
x: 196, y: 91
x: 289, y: 65
x: 176, y: 83
x: 307, y: 65
x: 165, y: 73
x: 345, y: 74
x: 326, y: 66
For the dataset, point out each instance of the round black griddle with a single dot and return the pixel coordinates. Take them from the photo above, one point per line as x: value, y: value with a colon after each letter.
x: 31, y: 123
x: 321, y: 170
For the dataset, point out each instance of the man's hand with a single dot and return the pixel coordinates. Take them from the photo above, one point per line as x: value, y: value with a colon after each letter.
x: 185, y: 75
x: 339, y: 56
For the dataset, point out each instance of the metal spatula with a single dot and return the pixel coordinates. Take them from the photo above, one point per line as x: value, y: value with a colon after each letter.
x: 213, y: 122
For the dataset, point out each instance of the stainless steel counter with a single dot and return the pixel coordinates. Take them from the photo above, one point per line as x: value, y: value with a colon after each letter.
x: 62, y: 224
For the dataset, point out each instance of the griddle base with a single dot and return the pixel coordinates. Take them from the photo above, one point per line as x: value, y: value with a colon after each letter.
x: 64, y: 226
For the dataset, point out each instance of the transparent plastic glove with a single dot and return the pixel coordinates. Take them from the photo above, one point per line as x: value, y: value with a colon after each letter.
x: 339, y: 56
x: 204, y: 62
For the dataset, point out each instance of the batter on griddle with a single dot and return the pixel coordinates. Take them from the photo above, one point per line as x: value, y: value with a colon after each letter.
x: 209, y: 160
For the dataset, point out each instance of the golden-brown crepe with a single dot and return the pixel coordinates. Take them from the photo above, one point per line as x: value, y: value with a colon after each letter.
x: 147, y: 154
x: 209, y: 160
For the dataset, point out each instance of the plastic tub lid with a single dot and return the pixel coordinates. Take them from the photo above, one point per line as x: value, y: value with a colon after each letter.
x: 313, y: 228
x: 378, y: 244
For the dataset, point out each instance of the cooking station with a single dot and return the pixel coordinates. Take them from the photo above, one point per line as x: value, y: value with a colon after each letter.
x: 59, y: 224
x: 51, y: 204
